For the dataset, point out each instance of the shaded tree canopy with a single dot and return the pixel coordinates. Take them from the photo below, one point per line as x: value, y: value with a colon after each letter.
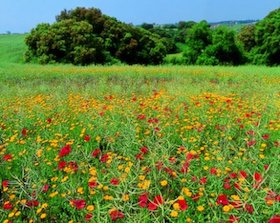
x: 84, y: 36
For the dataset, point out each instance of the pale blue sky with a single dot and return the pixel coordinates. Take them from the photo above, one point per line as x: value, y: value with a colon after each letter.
x: 22, y: 15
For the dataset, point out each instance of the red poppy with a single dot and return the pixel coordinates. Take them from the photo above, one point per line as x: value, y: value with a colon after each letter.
x: 142, y: 200
x: 73, y: 165
x: 258, y: 177
x: 45, y: 188
x: 144, y: 150
x: 251, y: 143
x: 139, y: 156
x: 49, y: 120
x: 249, y: 208
x: 274, y: 219
x: 5, y: 183
x: 95, y: 153
x: 183, y: 205
x: 104, y: 158
x: 7, y: 206
x: 222, y: 199
x: 62, y: 164
x: 194, y: 178
x: 227, y: 186
x: 196, y: 197
x: 86, y: 138
x: 203, y: 180
x: 265, y: 136
x: 141, y: 117
x: 236, y: 186
x: 172, y: 160
x: 185, y: 167
x: 265, y: 166
x: 88, y: 216
x: 153, y: 120
x: 114, y: 181
x: 152, y: 206
x: 64, y: 151
x: 250, y: 132
x: 158, y: 200
x: 115, y: 215
x: 213, y: 171
x: 243, y: 174
x: 92, y: 184
x: 24, y: 132
x: 233, y: 175
x: 32, y: 203
x: 78, y: 204
x: 7, y: 157
x: 233, y: 219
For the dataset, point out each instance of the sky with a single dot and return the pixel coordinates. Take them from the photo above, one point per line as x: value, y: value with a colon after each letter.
x: 19, y: 16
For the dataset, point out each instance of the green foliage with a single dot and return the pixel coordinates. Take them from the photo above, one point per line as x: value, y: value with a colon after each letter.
x: 246, y: 37
x: 223, y: 50
x: 198, y: 38
x: 84, y: 36
x: 65, y: 41
x: 212, y: 47
x: 267, y: 36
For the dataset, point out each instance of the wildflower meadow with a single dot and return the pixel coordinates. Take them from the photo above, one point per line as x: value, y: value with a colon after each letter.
x: 139, y: 144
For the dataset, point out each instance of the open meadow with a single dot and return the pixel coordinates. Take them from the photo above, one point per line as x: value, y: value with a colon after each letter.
x: 137, y: 144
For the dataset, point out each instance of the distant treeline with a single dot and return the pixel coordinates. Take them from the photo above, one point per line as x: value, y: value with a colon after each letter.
x: 85, y: 36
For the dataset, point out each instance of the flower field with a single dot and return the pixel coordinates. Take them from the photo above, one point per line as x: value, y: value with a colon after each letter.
x: 136, y: 144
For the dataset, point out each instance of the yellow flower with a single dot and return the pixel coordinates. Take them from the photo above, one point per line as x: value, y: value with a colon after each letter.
x: 163, y: 183
x: 176, y: 206
x: 235, y: 197
x: 80, y: 190
x: 45, y: 205
x: 125, y: 197
x: 226, y: 208
x: 174, y: 214
x: 90, y: 208
x: 44, y: 215
x: 200, y: 208
x: 39, y: 210
x: 11, y: 215
x: 108, y: 198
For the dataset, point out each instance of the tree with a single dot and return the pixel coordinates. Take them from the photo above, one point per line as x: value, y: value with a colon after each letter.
x: 223, y: 50
x: 198, y: 38
x: 246, y: 37
x: 66, y: 41
x: 267, y: 36
x: 84, y: 36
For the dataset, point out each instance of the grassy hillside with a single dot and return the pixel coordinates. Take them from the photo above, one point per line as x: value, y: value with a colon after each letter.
x: 12, y: 48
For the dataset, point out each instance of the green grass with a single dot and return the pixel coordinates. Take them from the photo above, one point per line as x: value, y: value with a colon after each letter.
x: 12, y: 48
x: 217, y: 121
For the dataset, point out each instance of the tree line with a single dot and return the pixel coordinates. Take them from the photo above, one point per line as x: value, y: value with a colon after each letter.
x: 85, y: 36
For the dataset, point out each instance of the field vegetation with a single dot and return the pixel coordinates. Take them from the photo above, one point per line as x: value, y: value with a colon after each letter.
x: 137, y: 144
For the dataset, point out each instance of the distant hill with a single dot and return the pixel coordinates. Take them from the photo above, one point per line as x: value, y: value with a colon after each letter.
x: 234, y: 24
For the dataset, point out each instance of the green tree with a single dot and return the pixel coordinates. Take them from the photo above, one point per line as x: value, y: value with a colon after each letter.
x: 84, y: 36
x: 198, y: 38
x: 267, y: 36
x: 66, y: 41
x: 223, y: 50
x: 246, y: 37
